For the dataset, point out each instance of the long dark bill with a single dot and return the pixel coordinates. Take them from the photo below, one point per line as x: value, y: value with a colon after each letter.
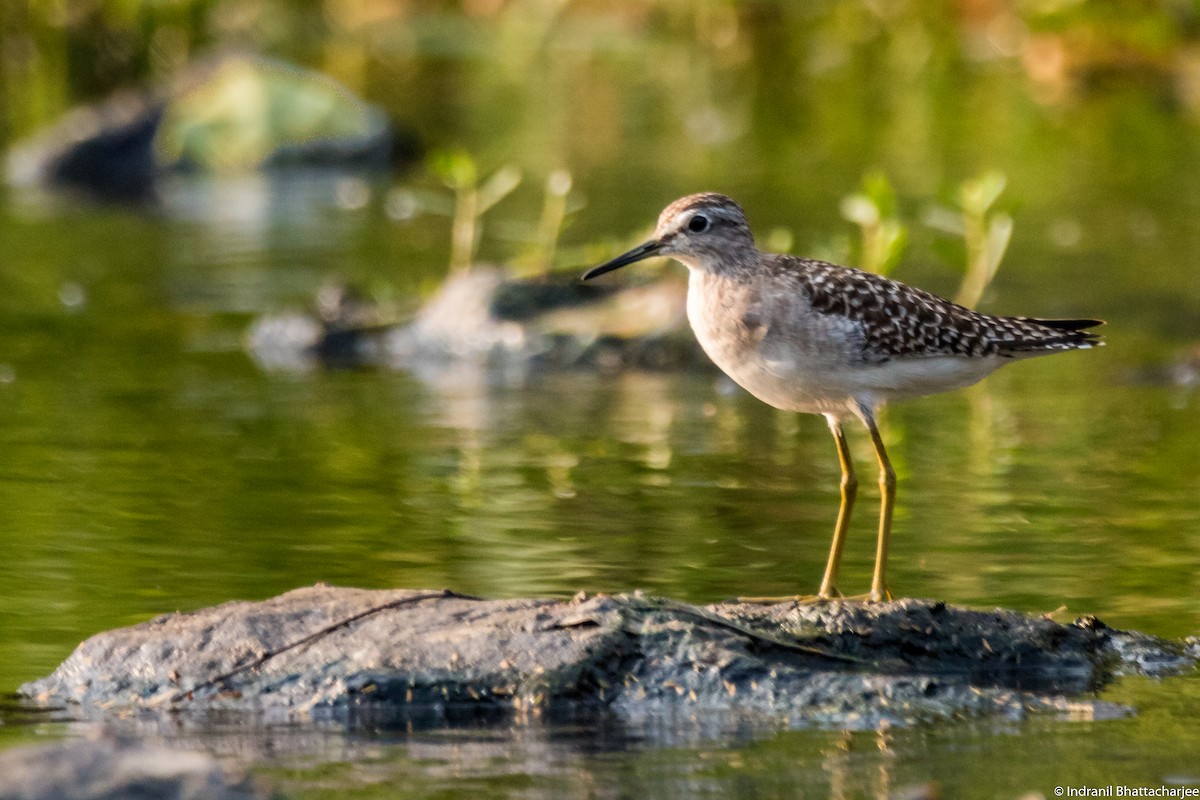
x: 636, y: 254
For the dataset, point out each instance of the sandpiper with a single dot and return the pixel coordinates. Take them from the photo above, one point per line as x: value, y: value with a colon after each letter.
x: 809, y: 336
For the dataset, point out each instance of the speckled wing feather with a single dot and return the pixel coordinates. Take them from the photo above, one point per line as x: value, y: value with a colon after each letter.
x: 898, y: 320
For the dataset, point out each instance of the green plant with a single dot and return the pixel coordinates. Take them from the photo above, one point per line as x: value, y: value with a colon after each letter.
x: 554, y: 212
x: 472, y: 200
x: 985, y: 231
x: 883, y: 235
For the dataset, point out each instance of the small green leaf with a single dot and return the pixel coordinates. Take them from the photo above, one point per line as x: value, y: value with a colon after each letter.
x: 558, y: 184
x: 456, y: 168
x: 859, y: 209
x: 780, y: 240
x: 979, y: 194
x: 893, y: 236
x: 999, y: 234
x: 497, y: 187
x: 879, y: 189
x: 943, y: 219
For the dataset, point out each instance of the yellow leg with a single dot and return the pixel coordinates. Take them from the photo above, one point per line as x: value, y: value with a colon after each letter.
x: 887, y: 491
x: 849, y: 490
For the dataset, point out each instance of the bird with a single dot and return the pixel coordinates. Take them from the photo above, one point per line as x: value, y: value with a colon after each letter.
x: 809, y: 336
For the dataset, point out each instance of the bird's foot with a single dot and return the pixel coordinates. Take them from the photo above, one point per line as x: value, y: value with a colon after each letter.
x: 805, y: 599
x: 873, y: 596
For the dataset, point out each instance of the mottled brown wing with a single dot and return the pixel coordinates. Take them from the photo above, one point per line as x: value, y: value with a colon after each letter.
x: 899, y: 320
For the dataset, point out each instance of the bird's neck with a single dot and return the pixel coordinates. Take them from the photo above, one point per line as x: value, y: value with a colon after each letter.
x: 729, y: 264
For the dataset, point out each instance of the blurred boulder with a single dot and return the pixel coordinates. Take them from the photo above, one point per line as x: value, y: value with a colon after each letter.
x: 231, y: 114
x: 485, y: 317
x: 343, y: 330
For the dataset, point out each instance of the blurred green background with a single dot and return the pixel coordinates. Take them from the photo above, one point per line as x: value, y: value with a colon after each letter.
x: 150, y: 464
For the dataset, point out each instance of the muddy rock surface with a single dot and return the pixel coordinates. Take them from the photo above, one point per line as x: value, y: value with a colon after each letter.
x: 432, y: 656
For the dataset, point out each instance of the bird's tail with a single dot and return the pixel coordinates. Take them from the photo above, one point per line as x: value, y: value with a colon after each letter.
x: 1057, y: 334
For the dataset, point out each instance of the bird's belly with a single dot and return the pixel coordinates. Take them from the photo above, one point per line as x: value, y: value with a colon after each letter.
x: 792, y: 358
x: 811, y: 383
x: 792, y: 384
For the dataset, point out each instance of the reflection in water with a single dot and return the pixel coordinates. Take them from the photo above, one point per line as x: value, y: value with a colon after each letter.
x: 848, y: 779
x: 688, y: 755
x: 228, y: 226
x: 674, y: 755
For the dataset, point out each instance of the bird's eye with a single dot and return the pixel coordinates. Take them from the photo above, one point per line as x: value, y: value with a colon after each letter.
x: 698, y: 224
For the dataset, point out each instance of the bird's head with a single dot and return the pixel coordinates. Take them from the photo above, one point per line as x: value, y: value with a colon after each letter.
x: 706, y: 232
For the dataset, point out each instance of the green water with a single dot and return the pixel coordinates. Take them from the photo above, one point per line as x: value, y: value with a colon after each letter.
x: 149, y: 465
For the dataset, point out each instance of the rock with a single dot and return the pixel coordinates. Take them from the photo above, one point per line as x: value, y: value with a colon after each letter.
x: 1184, y: 369
x: 106, y: 151
x: 486, y: 317
x: 243, y: 113
x: 457, y: 323
x: 235, y: 114
x: 1181, y: 372
x: 432, y: 656
x: 343, y: 331
x: 108, y: 768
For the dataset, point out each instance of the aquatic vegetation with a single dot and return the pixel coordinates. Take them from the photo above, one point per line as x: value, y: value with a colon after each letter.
x: 985, y: 231
x: 537, y: 241
x: 554, y: 214
x: 883, y: 236
x: 472, y: 199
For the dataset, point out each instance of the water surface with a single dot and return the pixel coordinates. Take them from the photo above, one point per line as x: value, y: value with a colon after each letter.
x: 150, y: 465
